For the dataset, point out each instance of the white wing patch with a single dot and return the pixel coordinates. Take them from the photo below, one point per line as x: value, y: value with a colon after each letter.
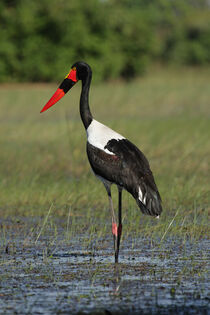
x: 99, y: 135
x: 143, y: 200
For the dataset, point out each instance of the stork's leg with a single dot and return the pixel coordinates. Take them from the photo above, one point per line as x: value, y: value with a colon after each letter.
x: 114, y: 224
x: 119, y: 228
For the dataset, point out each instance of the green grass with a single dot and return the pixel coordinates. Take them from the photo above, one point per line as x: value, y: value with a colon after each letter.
x: 43, y: 156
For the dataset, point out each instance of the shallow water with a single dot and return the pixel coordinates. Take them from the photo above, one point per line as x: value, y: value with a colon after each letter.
x: 65, y: 277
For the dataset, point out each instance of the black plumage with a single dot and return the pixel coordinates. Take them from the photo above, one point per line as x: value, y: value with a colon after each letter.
x: 127, y: 167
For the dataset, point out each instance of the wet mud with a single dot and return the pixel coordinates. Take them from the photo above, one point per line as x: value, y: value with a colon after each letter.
x: 54, y: 275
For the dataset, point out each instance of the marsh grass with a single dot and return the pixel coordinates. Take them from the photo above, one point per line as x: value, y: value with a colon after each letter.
x: 43, y: 158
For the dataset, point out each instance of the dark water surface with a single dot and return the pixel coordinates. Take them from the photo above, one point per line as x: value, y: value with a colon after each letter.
x: 56, y: 276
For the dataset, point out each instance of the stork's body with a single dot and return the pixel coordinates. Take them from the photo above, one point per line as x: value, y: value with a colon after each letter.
x: 113, y: 158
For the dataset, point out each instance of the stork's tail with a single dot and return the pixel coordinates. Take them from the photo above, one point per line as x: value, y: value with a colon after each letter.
x: 149, y: 202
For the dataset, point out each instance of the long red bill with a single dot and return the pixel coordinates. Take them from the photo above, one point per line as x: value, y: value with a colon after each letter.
x: 65, y: 86
x: 54, y: 99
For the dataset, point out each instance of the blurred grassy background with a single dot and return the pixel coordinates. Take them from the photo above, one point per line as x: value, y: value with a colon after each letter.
x: 43, y: 158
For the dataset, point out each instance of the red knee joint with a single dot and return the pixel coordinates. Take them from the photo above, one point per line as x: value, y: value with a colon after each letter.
x: 114, y: 228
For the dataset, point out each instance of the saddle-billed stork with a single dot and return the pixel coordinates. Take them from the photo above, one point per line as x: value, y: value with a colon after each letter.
x: 113, y: 158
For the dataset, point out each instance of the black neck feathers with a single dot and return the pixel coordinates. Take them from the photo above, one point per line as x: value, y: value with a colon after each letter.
x: 85, y: 112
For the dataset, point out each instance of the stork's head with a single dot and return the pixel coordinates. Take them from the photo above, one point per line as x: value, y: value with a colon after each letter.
x: 82, y: 69
x: 79, y: 71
